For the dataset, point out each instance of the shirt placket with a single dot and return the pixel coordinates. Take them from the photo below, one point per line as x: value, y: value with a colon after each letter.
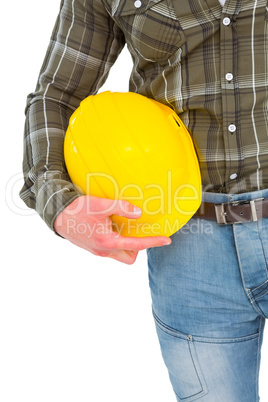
x: 230, y: 95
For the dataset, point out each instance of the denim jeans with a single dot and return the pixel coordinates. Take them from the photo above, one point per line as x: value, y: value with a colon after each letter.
x: 209, y: 293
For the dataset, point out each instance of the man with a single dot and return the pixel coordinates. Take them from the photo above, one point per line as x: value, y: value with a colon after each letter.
x: 208, y: 60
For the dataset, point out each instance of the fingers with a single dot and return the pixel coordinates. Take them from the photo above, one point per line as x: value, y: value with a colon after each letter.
x: 114, y: 207
x: 91, y: 229
x: 116, y: 241
x: 125, y: 256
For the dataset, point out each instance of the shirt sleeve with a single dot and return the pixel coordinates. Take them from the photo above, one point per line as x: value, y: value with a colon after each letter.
x: 84, y: 44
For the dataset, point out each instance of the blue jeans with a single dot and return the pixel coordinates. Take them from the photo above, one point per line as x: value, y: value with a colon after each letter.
x: 210, y: 299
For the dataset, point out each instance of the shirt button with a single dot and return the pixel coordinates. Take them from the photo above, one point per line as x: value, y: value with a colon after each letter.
x: 229, y: 76
x: 232, y: 128
x: 226, y: 21
x: 233, y: 176
x: 137, y: 3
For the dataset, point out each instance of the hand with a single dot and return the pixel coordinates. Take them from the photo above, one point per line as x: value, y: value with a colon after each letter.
x: 86, y: 222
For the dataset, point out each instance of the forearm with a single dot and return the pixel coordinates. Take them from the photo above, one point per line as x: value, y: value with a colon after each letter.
x: 47, y: 187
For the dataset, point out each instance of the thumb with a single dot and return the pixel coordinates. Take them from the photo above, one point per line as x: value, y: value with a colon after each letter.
x: 108, y: 207
x: 124, y: 208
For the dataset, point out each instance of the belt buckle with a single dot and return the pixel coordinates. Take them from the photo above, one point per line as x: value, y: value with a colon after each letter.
x: 221, y: 214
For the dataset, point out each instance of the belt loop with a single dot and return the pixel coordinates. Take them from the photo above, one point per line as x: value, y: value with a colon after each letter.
x: 220, y: 214
x: 253, y: 211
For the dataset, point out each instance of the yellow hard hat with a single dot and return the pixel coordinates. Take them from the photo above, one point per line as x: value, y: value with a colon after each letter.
x: 127, y: 146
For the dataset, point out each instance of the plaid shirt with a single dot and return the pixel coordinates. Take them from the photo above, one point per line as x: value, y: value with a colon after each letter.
x: 206, y: 61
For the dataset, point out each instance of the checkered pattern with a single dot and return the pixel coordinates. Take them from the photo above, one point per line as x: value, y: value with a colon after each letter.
x: 206, y: 61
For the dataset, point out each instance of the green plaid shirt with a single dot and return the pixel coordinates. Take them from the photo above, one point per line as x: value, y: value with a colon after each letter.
x: 207, y: 62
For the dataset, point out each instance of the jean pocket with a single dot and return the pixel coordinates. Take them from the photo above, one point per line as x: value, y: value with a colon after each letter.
x: 179, y: 354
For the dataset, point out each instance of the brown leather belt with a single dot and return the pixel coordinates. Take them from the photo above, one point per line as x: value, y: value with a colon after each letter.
x: 234, y: 212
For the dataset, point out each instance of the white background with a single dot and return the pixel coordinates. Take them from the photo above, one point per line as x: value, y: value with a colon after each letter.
x: 73, y: 326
